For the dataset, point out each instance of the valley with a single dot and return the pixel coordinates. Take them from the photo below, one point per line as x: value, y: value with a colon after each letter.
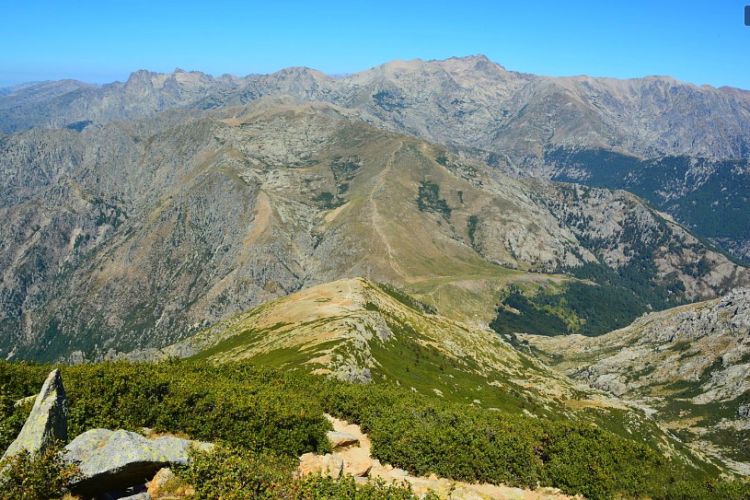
x: 506, y: 285
x: 185, y: 223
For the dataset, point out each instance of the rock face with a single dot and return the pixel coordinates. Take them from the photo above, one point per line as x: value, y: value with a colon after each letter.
x: 48, y: 419
x: 108, y: 460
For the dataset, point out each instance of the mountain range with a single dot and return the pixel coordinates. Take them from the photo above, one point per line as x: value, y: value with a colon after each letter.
x: 568, y: 248
x: 135, y: 234
x: 682, y: 147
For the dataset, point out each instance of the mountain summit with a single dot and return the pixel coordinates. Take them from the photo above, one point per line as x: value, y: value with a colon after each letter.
x: 677, y: 145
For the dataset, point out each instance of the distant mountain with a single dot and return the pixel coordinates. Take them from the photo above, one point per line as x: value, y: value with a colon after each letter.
x: 690, y: 365
x: 709, y: 196
x: 137, y: 234
x: 467, y: 102
x: 567, y: 128
x: 62, y: 103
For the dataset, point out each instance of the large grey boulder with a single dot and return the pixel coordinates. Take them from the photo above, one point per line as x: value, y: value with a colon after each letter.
x: 108, y: 460
x: 47, y: 421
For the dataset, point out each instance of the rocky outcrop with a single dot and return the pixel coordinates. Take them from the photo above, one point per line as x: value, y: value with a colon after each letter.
x: 690, y: 365
x: 167, y: 485
x: 339, y: 440
x: 108, y: 460
x: 47, y: 422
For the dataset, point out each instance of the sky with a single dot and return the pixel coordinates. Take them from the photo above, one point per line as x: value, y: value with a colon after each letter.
x: 703, y: 42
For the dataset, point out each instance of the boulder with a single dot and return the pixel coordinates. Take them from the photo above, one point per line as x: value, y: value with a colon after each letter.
x: 325, y: 465
x: 159, y: 481
x: 744, y: 411
x: 341, y: 439
x: 358, y: 463
x: 109, y: 460
x: 47, y: 421
x: 167, y: 486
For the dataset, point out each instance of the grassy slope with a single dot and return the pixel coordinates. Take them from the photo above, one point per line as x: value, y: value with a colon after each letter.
x: 347, y: 327
x: 355, y: 326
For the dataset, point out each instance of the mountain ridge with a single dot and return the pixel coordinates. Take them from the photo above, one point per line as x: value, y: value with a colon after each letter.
x: 457, y: 69
x: 214, y: 212
x: 527, y: 125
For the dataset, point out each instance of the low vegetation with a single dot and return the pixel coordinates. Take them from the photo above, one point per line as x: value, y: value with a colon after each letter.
x: 239, y: 473
x: 265, y: 419
x: 429, y: 200
x: 27, y: 477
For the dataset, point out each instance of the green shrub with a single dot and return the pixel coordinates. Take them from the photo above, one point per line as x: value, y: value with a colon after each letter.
x: 237, y: 404
x: 318, y: 487
x: 237, y: 473
x: 12, y: 419
x: 429, y: 200
x: 427, y: 435
x: 31, y: 477
x: 267, y: 418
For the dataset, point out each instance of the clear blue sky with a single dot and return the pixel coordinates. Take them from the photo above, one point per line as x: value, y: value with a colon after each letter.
x: 697, y: 41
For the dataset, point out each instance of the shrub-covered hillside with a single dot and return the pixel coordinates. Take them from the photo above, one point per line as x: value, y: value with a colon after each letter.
x: 271, y: 417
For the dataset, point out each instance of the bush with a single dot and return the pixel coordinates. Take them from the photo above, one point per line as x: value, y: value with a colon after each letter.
x: 31, y: 477
x: 237, y: 404
x: 236, y: 473
x: 426, y: 435
x: 317, y: 487
x: 12, y: 419
x: 267, y: 418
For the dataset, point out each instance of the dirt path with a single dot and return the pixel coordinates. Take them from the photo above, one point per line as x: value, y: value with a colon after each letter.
x: 351, y: 456
x: 377, y: 219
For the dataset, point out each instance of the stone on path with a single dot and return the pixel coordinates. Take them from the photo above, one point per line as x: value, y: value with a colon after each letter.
x: 341, y: 439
